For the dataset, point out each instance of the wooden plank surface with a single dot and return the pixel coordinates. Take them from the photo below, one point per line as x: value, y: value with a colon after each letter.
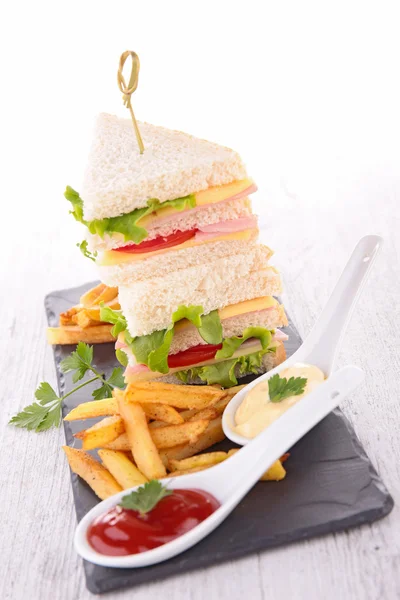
x: 312, y: 244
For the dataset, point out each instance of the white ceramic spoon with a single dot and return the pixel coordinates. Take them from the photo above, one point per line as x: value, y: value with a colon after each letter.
x: 321, y: 346
x: 230, y: 481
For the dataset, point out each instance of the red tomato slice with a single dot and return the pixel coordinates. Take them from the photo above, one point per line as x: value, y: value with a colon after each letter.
x: 159, y: 243
x: 193, y: 355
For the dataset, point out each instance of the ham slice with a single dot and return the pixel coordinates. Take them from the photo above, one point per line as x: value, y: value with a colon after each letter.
x: 162, y: 220
x: 224, y: 227
x: 279, y: 336
x: 134, y: 370
x: 120, y: 344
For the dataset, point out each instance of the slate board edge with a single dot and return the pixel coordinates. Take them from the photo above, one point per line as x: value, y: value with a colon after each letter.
x: 368, y: 516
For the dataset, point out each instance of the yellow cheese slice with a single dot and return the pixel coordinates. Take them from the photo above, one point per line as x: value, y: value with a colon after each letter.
x: 111, y: 257
x: 147, y: 375
x: 212, y: 195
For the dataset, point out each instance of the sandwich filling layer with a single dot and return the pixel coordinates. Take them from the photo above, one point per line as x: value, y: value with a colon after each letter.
x: 181, y: 241
x: 198, y: 341
x: 159, y: 220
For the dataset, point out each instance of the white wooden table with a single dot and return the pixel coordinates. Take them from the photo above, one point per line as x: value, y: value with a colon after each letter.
x: 312, y: 243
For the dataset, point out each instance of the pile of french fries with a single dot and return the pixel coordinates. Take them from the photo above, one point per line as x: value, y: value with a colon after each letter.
x: 82, y: 322
x: 152, y: 430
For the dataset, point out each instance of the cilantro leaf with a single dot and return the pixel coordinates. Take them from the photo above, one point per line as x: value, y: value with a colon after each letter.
x: 280, y: 388
x: 145, y: 498
x: 77, y: 204
x: 83, y: 247
x: 46, y: 412
x: 79, y: 361
x: 121, y: 357
x: 40, y: 415
x: 45, y: 393
x: 116, y: 378
x: 85, y: 352
x: 105, y: 391
x: 109, y: 315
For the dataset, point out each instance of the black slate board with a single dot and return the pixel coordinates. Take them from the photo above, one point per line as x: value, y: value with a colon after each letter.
x: 331, y: 484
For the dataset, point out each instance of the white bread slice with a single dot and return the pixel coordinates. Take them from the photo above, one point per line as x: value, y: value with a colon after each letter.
x: 119, y: 179
x: 184, y: 221
x: 175, y: 260
x: 270, y: 361
x: 271, y: 318
x: 215, y: 283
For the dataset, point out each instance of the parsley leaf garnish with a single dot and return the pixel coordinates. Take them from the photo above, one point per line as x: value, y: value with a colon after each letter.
x: 280, y: 388
x: 46, y: 412
x: 43, y: 414
x: 146, y: 497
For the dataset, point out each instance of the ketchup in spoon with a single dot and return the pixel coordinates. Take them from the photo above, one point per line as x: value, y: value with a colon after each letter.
x: 121, y: 531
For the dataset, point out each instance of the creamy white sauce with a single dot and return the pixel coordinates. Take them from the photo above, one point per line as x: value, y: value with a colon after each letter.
x: 257, y: 412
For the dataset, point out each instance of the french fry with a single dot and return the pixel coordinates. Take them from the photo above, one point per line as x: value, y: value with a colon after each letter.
x: 143, y: 448
x: 89, y: 297
x: 164, y: 437
x: 86, y: 317
x: 98, y: 334
x: 276, y: 472
x: 109, y: 406
x: 222, y: 404
x: 209, y: 413
x: 107, y: 295
x: 121, y: 468
x: 187, y: 471
x: 234, y: 390
x: 96, y: 476
x: 121, y: 443
x: 188, y: 396
x: 284, y: 457
x: 101, y: 433
x: 201, y: 460
x: 174, y: 435
x: 163, y: 412
x: 67, y: 317
x: 212, y: 435
x: 96, y: 408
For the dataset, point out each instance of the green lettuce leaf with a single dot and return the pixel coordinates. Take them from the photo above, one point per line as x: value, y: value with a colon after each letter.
x: 128, y: 224
x: 83, y: 247
x: 153, y: 349
x: 230, y: 345
x: 77, y: 204
x: 121, y: 357
x: 211, y: 328
x: 225, y: 373
x: 109, y: 315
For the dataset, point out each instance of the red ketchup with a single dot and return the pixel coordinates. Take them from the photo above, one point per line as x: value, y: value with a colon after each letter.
x: 121, y: 531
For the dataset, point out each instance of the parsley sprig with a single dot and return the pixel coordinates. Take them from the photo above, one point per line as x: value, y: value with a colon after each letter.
x: 280, y: 388
x: 46, y: 411
x: 146, y: 497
